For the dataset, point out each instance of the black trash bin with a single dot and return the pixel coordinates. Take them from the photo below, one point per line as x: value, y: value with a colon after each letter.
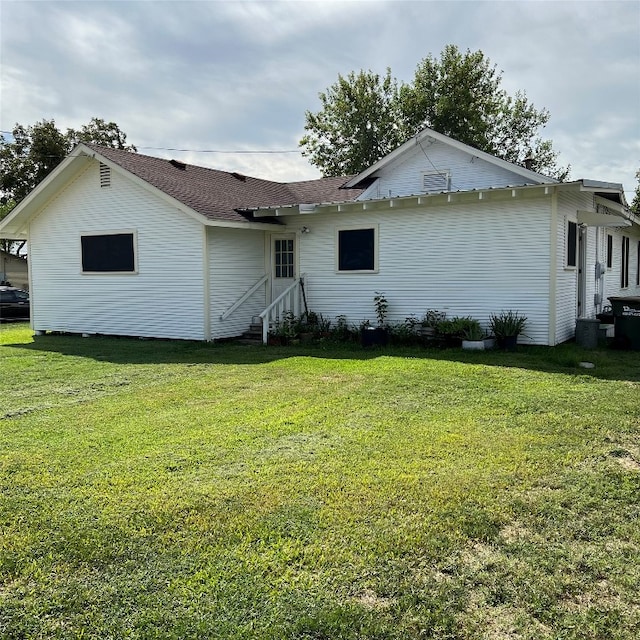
x: 587, y: 332
x: 626, y: 321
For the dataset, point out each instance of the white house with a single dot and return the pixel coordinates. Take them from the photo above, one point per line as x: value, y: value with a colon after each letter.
x: 126, y: 244
x: 14, y: 270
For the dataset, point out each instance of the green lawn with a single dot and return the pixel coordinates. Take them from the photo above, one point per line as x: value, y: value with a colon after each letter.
x: 158, y: 489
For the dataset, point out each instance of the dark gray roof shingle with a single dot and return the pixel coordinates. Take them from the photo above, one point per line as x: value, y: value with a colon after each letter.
x: 221, y: 195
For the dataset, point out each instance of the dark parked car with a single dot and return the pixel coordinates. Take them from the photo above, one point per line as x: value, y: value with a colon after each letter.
x: 14, y: 303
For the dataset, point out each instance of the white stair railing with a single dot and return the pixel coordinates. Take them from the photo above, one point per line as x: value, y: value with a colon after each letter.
x: 245, y: 296
x: 288, y: 300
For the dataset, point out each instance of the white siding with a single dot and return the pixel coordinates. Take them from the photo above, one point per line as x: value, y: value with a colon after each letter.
x: 596, y: 247
x: 473, y: 259
x: 163, y: 299
x: 236, y: 263
x: 567, y: 277
x: 612, y: 277
x: 404, y: 176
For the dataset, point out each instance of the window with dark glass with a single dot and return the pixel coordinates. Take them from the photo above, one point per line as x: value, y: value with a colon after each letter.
x: 624, y: 266
x: 356, y: 250
x: 609, y: 251
x: 572, y: 244
x: 108, y: 253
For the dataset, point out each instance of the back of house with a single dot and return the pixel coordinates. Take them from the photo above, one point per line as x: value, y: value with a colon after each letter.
x: 127, y: 244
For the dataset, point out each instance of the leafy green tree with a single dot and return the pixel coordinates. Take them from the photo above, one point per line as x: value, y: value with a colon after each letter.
x: 106, y: 134
x: 38, y: 149
x: 459, y: 94
x: 360, y: 121
x: 34, y: 152
x: 10, y: 246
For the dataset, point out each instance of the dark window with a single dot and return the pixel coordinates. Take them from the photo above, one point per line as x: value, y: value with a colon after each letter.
x: 624, y: 266
x: 356, y: 250
x: 609, y: 251
x: 572, y: 243
x: 108, y: 253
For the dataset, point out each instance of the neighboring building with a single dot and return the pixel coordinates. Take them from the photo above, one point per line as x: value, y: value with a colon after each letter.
x: 14, y: 270
x: 127, y: 244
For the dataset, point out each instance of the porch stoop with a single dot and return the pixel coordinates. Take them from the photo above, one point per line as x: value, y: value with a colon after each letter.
x: 253, y: 335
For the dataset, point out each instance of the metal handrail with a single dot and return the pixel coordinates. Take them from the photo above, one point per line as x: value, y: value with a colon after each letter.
x: 240, y: 301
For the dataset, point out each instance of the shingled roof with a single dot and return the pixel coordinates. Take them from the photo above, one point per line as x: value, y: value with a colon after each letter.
x: 221, y: 195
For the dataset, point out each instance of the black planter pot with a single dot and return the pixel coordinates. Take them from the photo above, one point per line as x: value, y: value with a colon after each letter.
x: 374, y: 336
x: 509, y: 343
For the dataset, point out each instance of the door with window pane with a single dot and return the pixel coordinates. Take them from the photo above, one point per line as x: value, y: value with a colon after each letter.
x: 283, y: 263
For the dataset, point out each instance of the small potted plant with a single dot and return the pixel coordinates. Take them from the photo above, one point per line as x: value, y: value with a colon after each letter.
x: 308, y: 326
x: 506, y: 327
x: 451, y: 330
x: 430, y: 321
x: 377, y: 335
x: 324, y: 327
x: 473, y: 337
x: 284, y: 330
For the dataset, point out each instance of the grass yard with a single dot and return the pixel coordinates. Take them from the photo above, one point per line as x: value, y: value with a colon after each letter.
x: 181, y: 490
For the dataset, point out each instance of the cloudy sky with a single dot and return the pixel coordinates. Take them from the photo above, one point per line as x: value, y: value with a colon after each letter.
x: 238, y: 76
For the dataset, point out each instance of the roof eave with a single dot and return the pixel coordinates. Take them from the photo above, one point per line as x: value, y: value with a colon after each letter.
x: 439, y: 137
x: 419, y: 198
x: 15, y: 224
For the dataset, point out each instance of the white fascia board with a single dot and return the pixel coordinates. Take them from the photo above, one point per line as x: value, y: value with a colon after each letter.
x: 260, y: 226
x: 595, y: 219
x: 15, y: 224
x: 287, y: 210
x: 610, y: 204
x: 430, y: 133
x: 420, y: 199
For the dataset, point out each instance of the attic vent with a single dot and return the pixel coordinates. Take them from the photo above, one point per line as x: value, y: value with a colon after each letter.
x: 435, y: 181
x: 239, y: 176
x: 178, y: 165
x: 105, y: 175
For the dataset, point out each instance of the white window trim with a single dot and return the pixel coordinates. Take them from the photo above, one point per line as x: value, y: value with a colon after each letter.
x: 376, y: 247
x: 111, y: 232
x: 445, y: 173
x: 567, y: 266
x: 624, y: 273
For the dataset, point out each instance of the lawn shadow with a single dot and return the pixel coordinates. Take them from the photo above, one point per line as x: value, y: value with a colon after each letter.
x: 566, y: 359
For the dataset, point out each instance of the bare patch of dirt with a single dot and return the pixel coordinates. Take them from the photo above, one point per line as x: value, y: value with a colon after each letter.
x: 370, y: 600
x: 626, y: 458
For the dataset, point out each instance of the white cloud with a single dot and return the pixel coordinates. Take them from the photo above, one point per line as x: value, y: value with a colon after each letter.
x: 240, y: 75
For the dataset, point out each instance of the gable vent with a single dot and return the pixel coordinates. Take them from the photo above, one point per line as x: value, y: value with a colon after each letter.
x: 435, y: 181
x: 105, y: 175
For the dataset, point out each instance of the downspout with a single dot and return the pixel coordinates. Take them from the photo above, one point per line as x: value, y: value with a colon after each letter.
x: 598, y: 277
x: 206, y: 294
x: 553, y: 268
x: 32, y: 314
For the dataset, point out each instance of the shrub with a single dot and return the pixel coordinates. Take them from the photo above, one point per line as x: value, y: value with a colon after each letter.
x: 507, y: 324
